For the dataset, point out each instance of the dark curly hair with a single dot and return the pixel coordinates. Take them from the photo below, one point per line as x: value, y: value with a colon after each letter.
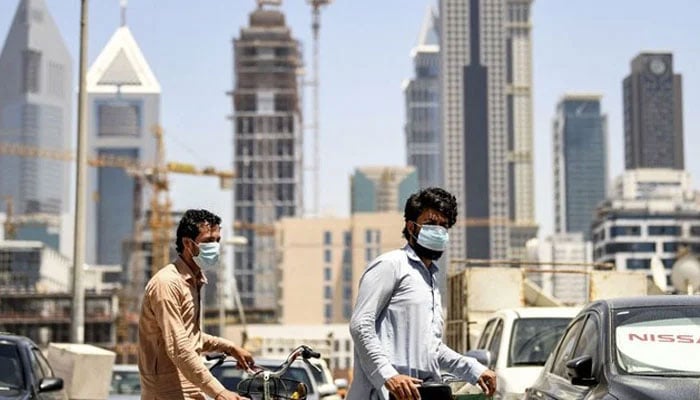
x: 189, y: 225
x: 434, y: 198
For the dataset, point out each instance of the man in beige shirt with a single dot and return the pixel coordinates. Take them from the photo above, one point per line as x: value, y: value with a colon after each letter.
x: 170, y: 336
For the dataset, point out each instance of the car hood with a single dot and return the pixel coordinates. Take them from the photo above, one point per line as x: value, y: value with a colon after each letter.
x: 517, y: 379
x: 654, y: 387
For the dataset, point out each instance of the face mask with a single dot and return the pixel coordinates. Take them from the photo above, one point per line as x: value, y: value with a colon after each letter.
x: 431, y: 241
x: 208, y: 256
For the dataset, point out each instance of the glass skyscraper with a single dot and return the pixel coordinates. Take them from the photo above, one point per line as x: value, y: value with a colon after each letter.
x: 36, y: 96
x: 422, y: 93
x: 580, y: 162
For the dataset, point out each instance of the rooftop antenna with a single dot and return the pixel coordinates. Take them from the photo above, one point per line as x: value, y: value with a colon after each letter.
x: 122, y: 5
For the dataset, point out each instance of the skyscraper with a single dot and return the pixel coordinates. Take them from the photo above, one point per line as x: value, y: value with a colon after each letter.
x: 521, y: 186
x: 35, y: 109
x: 580, y: 162
x: 653, y: 107
x: 382, y: 189
x: 267, y: 146
x: 123, y: 108
x: 487, y: 125
x: 422, y: 93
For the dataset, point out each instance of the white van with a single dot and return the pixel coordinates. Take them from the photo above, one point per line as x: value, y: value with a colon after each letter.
x: 515, y: 343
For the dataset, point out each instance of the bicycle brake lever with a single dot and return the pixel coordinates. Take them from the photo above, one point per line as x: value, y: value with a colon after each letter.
x: 316, y: 367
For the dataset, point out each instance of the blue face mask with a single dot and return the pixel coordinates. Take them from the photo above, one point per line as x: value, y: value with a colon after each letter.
x: 208, y: 256
x: 433, y: 237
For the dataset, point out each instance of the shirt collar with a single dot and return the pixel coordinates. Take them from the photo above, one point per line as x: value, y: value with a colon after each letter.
x: 187, y: 273
x: 413, y: 256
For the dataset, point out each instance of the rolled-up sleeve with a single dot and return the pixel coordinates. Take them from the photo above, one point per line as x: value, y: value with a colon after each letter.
x: 376, y: 288
x: 215, y: 343
x: 178, y: 345
x: 467, y: 368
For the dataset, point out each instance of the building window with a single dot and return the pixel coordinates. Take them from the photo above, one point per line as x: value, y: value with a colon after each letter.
x: 347, y: 273
x: 31, y: 67
x: 664, y: 230
x: 347, y: 239
x: 638, y: 263
x: 327, y: 293
x: 327, y: 274
x: 695, y: 230
x: 118, y: 119
x: 616, y: 231
x: 368, y: 236
x: 327, y: 238
x: 347, y: 293
x: 369, y: 255
x: 328, y: 312
x: 671, y: 247
x: 347, y: 311
x: 327, y: 255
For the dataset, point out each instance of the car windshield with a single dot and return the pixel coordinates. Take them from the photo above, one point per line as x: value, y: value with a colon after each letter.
x: 533, y: 339
x: 10, y: 367
x: 125, y: 382
x: 658, y: 340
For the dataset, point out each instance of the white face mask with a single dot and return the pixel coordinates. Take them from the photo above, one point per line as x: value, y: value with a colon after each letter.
x: 208, y: 256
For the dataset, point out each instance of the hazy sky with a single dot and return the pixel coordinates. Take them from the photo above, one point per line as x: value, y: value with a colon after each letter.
x: 578, y: 47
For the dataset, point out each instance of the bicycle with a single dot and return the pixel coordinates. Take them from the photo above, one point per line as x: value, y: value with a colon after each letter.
x: 265, y: 384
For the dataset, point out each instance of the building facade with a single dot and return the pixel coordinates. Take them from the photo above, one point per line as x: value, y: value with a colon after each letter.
x: 653, y: 113
x: 580, y: 162
x: 487, y: 125
x: 334, y: 251
x: 268, y: 137
x: 36, y: 96
x: 382, y: 189
x: 422, y: 94
x: 519, y: 109
x: 568, y: 287
x: 123, y: 110
x: 650, y: 214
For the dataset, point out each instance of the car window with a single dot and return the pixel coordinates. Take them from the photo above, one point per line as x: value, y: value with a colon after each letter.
x: 229, y: 376
x: 10, y: 367
x: 43, y: 364
x: 566, y: 348
x: 483, y: 340
x: 588, y: 343
x: 533, y: 339
x: 125, y: 382
x: 658, y: 340
x: 496, y: 340
x: 36, y: 368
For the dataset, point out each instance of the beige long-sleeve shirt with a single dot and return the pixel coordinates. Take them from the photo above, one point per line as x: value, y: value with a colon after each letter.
x: 171, y: 340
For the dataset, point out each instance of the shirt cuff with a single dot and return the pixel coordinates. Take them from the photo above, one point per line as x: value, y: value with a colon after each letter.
x: 213, y: 388
x: 475, y: 372
x: 382, y: 374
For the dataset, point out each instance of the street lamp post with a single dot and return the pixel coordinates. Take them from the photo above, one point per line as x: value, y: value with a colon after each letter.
x: 78, y: 307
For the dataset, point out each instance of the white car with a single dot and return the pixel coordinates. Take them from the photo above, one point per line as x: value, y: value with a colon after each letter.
x: 515, y: 344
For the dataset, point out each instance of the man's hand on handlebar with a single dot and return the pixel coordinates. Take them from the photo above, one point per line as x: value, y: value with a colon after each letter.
x: 403, y: 387
x: 243, y: 357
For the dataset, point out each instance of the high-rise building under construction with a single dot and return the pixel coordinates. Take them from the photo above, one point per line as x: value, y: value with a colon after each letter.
x: 267, y: 147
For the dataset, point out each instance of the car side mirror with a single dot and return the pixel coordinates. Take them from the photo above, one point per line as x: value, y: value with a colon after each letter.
x: 50, y: 384
x: 580, y: 370
x: 483, y: 356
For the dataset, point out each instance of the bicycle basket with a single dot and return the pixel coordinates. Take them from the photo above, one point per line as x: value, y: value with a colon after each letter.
x: 279, y: 388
